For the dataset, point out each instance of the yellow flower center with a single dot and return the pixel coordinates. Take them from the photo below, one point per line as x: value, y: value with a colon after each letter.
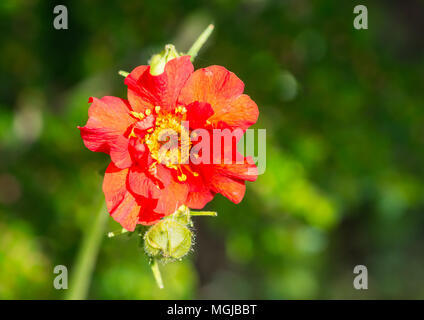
x: 169, y: 143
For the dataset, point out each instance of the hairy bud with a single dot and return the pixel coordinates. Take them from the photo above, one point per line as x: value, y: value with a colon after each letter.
x: 170, y: 238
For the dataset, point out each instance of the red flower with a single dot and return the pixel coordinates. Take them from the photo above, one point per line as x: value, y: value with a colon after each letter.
x: 145, y: 182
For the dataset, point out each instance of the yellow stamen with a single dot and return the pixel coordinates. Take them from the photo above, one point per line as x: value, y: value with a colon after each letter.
x: 182, y: 177
x: 148, y: 112
x: 187, y: 167
x: 180, y: 109
x: 152, y: 168
x: 132, y: 134
x: 157, y: 109
x: 137, y: 115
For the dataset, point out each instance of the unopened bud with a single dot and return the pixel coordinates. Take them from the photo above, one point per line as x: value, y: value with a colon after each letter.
x: 169, y: 239
x: 158, y: 61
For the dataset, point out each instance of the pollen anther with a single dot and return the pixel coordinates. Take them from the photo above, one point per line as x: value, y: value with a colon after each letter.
x: 182, y: 177
x: 132, y: 134
x: 137, y: 115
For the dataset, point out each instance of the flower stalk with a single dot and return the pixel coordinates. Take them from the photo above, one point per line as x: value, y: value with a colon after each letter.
x: 198, y: 44
x: 87, y: 257
x: 156, y: 273
x: 203, y: 213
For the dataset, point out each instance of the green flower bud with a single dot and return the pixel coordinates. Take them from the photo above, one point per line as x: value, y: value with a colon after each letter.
x: 169, y: 239
x: 182, y: 215
x: 158, y: 61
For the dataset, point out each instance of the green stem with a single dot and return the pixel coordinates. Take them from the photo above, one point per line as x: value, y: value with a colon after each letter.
x: 197, y: 45
x: 156, y: 273
x: 204, y: 213
x: 86, y: 258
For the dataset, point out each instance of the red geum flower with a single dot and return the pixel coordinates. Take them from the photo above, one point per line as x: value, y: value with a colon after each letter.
x: 145, y: 182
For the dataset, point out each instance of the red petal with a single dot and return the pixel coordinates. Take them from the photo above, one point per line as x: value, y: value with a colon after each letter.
x: 138, y: 151
x: 120, y: 203
x: 213, y: 84
x: 127, y: 212
x: 240, y: 113
x: 197, y: 200
x: 150, y: 218
x: 163, y: 174
x: 124, y: 207
x: 107, y: 123
x: 147, y: 215
x: 146, y: 90
x: 232, y: 189
x: 198, y: 113
x: 223, y: 90
x: 119, y: 153
x: 243, y: 171
x: 172, y: 197
x: 114, y: 186
x: 142, y: 184
x: 138, y: 102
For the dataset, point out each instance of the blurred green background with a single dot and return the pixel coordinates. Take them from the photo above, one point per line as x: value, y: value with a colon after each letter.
x: 343, y: 109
